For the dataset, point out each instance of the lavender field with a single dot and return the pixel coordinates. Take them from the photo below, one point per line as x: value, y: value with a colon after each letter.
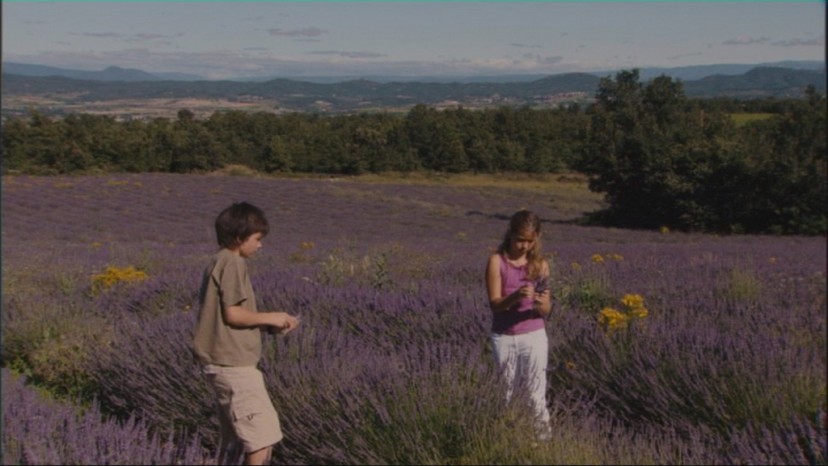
x: 665, y: 347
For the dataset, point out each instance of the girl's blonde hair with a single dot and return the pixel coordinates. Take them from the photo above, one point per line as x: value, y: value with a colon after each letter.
x: 525, y: 220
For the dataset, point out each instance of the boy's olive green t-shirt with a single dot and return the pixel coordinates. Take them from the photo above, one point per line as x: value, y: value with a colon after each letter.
x: 226, y: 283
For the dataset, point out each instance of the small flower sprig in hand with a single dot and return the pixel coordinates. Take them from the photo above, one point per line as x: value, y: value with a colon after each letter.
x: 541, y: 285
x: 542, y: 297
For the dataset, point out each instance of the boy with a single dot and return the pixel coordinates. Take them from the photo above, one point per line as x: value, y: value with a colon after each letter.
x: 227, y: 341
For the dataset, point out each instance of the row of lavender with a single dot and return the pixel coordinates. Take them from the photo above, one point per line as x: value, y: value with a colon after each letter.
x: 38, y: 431
x: 391, y: 364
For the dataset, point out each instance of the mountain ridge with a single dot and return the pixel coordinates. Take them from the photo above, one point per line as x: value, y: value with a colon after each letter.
x: 115, y: 73
x: 62, y: 94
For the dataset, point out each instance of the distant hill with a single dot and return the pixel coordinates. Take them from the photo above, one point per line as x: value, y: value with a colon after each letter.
x: 112, y: 73
x: 300, y: 95
x: 692, y: 73
x: 357, y: 95
x: 758, y: 82
x: 684, y: 73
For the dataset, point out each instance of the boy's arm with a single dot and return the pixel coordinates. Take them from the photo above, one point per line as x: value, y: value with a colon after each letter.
x: 238, y: 316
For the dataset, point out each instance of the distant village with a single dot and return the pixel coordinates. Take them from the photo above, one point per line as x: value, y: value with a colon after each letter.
x: 538, y: 101
x: 149, y: 109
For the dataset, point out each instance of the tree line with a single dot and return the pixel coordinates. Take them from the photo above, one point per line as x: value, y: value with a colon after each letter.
x: 660, y: 158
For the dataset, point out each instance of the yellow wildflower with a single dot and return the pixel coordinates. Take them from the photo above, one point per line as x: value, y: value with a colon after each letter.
x: 114, y: 275
x: 597, y: 258
x: 635, y: 305
x: 632, y: 301
x: 612, y: 318
x: 576, y: 266
x: 639, y: 312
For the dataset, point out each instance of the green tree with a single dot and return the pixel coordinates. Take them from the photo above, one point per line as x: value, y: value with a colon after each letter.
x: 651, y: 154
x: 276, y: 157
x: 192, y: 147
x: 437, y: 139
x: 785, y: 171
x: 369, y: 141
x: 14, y: 139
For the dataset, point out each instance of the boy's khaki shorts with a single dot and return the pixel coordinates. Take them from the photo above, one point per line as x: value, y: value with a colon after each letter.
x: 246, y: 414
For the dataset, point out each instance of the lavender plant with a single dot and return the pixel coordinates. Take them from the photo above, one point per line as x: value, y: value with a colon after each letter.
x: 37, y: 430
x: 391, y: 363
x: 149, y: 372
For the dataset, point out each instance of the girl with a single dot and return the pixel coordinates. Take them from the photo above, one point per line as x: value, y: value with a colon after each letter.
x: 515, y: 276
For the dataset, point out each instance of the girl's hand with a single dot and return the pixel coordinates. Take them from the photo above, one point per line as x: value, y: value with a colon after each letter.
x: 526, y: 291
x: 543, y: 303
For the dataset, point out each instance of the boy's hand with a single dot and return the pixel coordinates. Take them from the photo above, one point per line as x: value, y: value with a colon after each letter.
x: 282, y: 323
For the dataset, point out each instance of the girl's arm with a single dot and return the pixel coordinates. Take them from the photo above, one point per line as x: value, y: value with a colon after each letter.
x: 498, y: 302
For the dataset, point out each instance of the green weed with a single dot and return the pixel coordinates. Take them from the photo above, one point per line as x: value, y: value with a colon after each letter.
x: 739, y: 285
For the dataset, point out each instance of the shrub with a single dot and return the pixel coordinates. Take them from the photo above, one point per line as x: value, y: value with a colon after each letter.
x: 149, y: 372
x: 52, y: 342
x: 686, y: 366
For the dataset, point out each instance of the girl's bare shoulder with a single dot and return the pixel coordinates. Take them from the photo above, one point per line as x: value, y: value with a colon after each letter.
x: 545, y: 270
x: 494, y: 261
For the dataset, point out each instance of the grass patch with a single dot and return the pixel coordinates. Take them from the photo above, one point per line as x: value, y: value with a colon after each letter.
x: 529, y: 182
x: 237, y: 170
x: 741, y: 119
x: 740, y: 285
x: 568, y: 192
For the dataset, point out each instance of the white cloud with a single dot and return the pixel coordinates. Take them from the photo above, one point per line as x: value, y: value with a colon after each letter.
x: 684, y: 55
x: 746, y: 41
x: 306, y: 32
x: 348, y: 54
x: 816, y: 41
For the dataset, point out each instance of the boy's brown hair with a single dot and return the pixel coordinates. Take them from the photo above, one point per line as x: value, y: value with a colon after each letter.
x: 237, y: 222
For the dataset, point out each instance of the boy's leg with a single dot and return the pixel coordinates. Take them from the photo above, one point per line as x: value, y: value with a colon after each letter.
x: 230, y: 451
x: 254, y: 418
x: 229, y: 448
x: 249, y: 421
x: 259, y: 456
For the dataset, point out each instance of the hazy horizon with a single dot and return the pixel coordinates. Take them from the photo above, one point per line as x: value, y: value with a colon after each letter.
x: 252, y: 40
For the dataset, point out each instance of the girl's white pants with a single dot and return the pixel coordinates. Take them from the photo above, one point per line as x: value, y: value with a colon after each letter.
x: 522, y: 359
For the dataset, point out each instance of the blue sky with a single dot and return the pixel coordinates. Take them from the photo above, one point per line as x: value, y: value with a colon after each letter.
x: 221, y: 40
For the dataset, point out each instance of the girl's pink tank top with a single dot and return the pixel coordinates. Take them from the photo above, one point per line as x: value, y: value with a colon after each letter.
x: 521, y: 318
